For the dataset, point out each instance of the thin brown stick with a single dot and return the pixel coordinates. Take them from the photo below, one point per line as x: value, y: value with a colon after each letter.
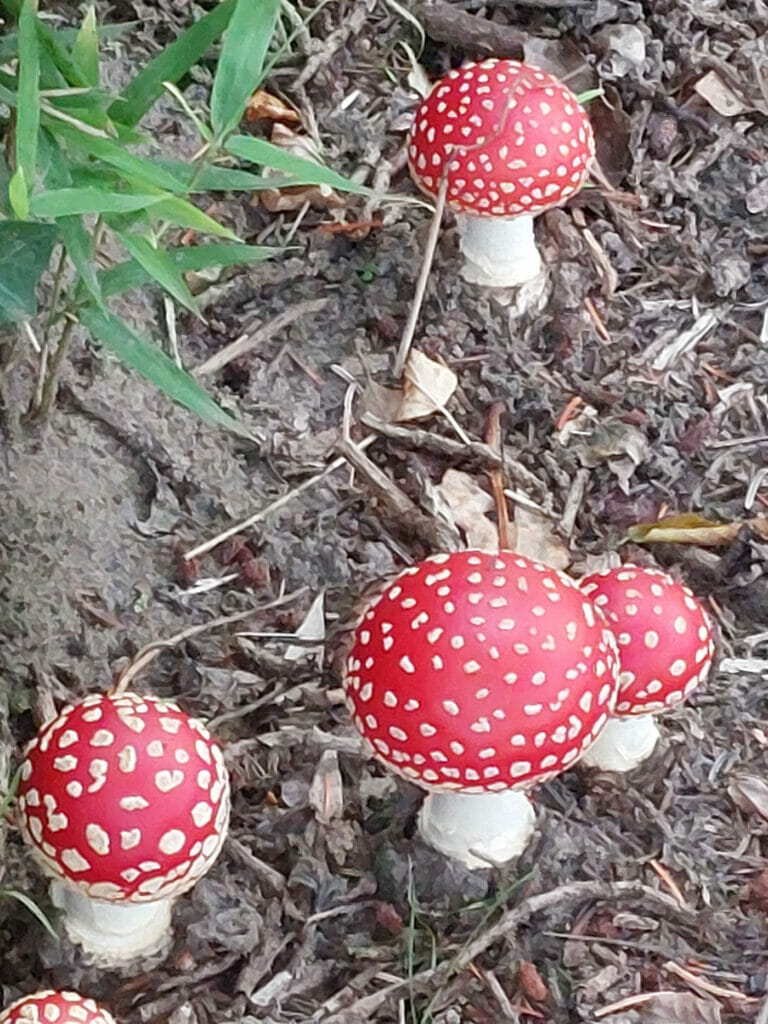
x: 278, y: 503
x: 496, y: 476
x: 565, y: 897
x: 421, y: 284
x: 150, y: 651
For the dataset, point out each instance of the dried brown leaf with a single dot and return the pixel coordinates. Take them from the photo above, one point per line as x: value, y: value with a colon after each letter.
x: 264, y: 105
x: 750, y: 794
x: 720, y: 96
x: 381, y: 402
x: 326, y: 793
x: 427, y: 387
x: 535, y: 537
x: 468, y: 504
x: 679, y: 1008
x: 532, y: 985
x: 276, y: 200
x: 691, y: 528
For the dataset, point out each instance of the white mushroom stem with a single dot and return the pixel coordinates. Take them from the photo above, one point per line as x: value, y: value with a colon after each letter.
x: 480, y: 830
x: 623, y: 744
x: 499, y: 252
x: 113, y: 932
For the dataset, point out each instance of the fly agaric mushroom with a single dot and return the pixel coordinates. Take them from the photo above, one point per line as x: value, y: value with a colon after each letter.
x: 476, y: 676
x: 666, y: 647
x: 125, y: 800
x: 512, y: 141
x: 51, y: 1007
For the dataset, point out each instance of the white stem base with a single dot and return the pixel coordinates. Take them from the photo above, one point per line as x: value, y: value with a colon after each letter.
x: 480, y: 830
x: 112, y: 933
x: 499, y: 252
x: 623, y: 744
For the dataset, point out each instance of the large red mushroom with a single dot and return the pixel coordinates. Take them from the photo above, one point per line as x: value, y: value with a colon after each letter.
x: 124, y: 799
x: 666, y: 649
x: 512, y: 141
x: 50, y: 1007
x: 476, y: 676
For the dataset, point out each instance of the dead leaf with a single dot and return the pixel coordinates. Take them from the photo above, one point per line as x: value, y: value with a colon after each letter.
x: 264, y: 105
x: 679, y: 1008
x: 468, y: 503
x: 691, y: 528
x: 312, y: 628
x: 326, y: 793
x: 381, y: 402
x: 720, y: 96
x: 293, y: 197
x: 427, y: 387
x: 750, y: 794
x: 535, y: 537
x: 532, y: 985
x: 756, y: 894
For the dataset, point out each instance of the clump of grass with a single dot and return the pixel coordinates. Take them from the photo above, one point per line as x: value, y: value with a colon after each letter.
x: 78, y: 172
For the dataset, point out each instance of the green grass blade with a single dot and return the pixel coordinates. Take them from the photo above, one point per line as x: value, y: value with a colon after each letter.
x: 171, y: 65
x: 32, y: 907
x: 25, y: 251
x: 66, y: 202
x: 10, y: 794
x: 79, y: 245
x: 129, y: 275
x: 18, y: 194
x: 28, y: 113
x: 85, y: 52
x: 153, y: 364
x: 186, y: 215
x: 160, y: 268
x: 241, y: 64
x: 140, y: 170
x: 258, y: 151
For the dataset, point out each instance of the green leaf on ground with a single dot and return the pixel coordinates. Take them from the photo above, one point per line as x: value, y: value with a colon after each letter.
x: 160, y: 267
x: 171, y: 65
x: 28, y: 111
x: 131, y: 274
x: 25, y: 250
x: 66, y: 202
x: 85, y: 52
x: 158, y: 368
x: 258, y: 151
x: 241, y: 64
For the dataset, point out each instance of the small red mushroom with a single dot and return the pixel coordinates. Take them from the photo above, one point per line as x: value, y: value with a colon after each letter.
x: 125, y: 801
x: 512, y: 141
x: 666, y: 649
x: 51, y: 1007
x: 477, y: 675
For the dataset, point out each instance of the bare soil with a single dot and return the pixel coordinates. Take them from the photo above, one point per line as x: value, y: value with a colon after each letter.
x: 323, y: 908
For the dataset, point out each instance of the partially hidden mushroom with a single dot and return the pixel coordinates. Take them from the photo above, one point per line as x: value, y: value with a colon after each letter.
x: 50, y: 1007
x: 666, y: 649
x: 124, y: 799
x: 512, y: 141
x: 477, y: 676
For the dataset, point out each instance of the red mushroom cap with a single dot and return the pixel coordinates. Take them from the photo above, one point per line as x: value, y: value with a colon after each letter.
x: 475, y: 672
x: 664, y: 636
x: 512, y: 139
x: 125, y: 796
x: 51, y: 1007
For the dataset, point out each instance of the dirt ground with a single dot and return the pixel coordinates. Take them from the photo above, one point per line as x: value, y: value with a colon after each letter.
x: 651, y: 888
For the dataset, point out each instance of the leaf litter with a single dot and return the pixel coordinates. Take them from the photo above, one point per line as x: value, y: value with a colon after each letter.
x: 307, y: 916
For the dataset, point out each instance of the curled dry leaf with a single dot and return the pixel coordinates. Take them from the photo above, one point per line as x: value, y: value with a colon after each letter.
x: 679, y: 1008
x: 532, y: 985
x: 750, y: 794
x: 720, y: 96
x: 427, y: 387
x: 263, y: 105
x: 535, y: 537
x: 693, y: 529
x: 276, y: 200
x: 312, y: 628
x: 326, y: 793
x: 468, y: 504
